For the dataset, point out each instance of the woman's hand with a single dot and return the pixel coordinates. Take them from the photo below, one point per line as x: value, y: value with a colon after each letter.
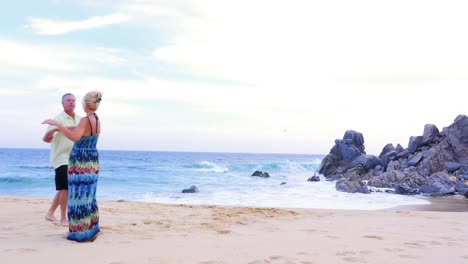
x: 51, y: 122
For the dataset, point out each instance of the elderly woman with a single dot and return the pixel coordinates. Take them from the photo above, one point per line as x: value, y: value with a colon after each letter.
x: 83, y: 171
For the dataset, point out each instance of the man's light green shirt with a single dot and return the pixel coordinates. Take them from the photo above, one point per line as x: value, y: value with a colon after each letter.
x: 61, y: 146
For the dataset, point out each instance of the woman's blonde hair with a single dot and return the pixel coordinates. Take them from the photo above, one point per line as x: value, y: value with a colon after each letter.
x: 93, y: 99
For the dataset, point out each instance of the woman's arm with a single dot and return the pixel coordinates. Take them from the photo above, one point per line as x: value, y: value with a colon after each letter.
x: 72, y: 133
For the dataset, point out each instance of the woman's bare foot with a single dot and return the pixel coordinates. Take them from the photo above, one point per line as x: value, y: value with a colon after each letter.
x: 64, y: 223
x: 94, y: 237
x: 50, y: 217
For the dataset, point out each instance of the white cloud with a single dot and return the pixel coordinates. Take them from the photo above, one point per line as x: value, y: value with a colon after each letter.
x: 44, y: 26
x: 16, y: 56
x: 391, y: 115
x: 312, y: 68
x: 23, y: 55
x: 279, y: 42
x: 156, y: 89
x: 174, y: 9
x: 5, y: 92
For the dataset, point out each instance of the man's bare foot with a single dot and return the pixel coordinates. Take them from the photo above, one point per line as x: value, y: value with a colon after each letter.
x: 50, y: 217
x: 64, y: 223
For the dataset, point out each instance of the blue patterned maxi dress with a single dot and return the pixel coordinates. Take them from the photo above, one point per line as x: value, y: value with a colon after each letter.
x: 83, y: 171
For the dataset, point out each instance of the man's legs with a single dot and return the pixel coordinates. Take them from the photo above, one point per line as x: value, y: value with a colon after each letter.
x: 55, y: 203
x: 63, y: 200
x: 61, y: 197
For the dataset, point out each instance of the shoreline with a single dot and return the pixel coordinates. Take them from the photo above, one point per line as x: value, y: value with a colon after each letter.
x: 457, y: 203
x: 137, y: 232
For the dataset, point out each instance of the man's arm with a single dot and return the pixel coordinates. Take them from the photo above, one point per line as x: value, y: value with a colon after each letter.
x: 49, y: 135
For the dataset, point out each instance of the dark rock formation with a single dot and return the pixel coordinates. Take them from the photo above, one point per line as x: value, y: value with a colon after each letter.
x: 457, y: 137
x: 348, y: 150
x: 261, y: 174
x: 314, y: 178
x: 435, y: 163
x: 257, y: 173
x: 345, y: 185
x: 192, y: 189
x: 452, y: 166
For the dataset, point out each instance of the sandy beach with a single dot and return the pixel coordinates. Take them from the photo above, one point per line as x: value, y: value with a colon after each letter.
x: 159, y: 233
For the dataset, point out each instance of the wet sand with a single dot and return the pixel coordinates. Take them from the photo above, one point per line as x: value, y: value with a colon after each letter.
x: 456, y: 203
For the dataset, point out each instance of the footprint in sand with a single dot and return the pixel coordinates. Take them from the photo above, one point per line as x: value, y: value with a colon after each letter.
x: 374, y: 237
x: 408, y: 256
x: 405, y: 213
x: 394, y: 249
x: 26, y: 250
x: 281, y: 259
x: 345, y: 253
x: 351, y: 256
x: 415, y: 244
x: 354, y: 259
x: 152, y: 222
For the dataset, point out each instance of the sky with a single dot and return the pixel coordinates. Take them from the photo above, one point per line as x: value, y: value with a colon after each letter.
x: 262, y: 76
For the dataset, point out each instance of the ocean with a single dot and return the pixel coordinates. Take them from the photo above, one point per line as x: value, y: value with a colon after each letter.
x: 222, y: 179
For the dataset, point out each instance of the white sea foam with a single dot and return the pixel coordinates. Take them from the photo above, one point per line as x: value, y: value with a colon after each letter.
x: 320, y: 195
x: 222, y: 178
x: 206, y: 166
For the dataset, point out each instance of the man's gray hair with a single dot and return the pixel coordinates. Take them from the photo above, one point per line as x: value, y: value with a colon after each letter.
x: 65, y: 95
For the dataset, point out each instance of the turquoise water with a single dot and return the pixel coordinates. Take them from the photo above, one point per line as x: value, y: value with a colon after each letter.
x: 222, y: 178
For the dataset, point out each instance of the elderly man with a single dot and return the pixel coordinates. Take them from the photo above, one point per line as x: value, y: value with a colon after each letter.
x: 59, y: 156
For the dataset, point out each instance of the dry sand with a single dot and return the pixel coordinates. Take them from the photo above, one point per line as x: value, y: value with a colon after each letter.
x: 157, y: 233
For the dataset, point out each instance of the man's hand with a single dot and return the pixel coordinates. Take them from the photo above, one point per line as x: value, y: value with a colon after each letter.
x: 49, y: 136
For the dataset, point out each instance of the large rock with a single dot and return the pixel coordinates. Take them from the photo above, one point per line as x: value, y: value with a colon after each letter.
x: 452, y: 166
x: 191, y: 189
x: 388, y: 148
x: 358, y: 186
x: 414, y: 144
x: 351, y: 146
x: 410, y: 184
x: 431, y: 134
x: 344, y: 152
x: 435, y: 159
x: 261, y: 174
x: 329, y: 165
x: 366, y: 161
x: 457, y: 137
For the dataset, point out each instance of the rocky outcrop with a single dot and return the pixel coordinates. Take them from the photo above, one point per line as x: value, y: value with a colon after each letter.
x: 261, y: 174
x: 357, y: 186
x: 191, y: 189
x: 435, y: 163
x: 314, y: 178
